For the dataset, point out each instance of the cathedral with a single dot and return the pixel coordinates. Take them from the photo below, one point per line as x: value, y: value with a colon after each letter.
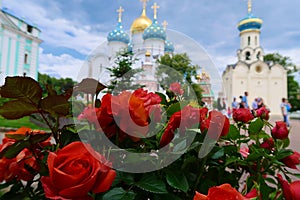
x: 148, y: 41
x: 260, y: 79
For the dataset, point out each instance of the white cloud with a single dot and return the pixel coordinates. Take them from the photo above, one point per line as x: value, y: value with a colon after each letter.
x: 56, y: 30
x: 65, y: 65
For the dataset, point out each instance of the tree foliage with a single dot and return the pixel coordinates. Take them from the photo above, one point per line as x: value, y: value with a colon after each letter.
x: 182, y: 69
x: 123, y: 73
x: 293, y: 85
x: 60, y: 85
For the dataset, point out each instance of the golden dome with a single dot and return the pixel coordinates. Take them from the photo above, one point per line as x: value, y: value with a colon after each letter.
x: 141, y: 23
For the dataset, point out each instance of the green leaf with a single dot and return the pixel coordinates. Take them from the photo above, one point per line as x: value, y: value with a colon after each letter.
x: 119, y: 194
x: 256, y: 125
x: 166, y: 196
x: 14, y: 149
x: 22, y: 88
x: 284, y: 153
x: 17, y: 109
x: 176, y: 107
x: 152, y: 184
x: 66, y: 137
x: 177, y: 180
x: 233, y: 133
x: 34, y: 139
x: 56, y: 105
x: 163, y: 98
x: 218, y: 154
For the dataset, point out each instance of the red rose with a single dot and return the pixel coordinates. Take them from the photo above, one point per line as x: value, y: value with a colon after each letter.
x: 242, y: 115
x: 218, y: 125
x: 128, y: 113
x: 292, y: 161
x: 268, y: 143
x: 76, y: 170
x: 183, y: 119
x: 262, y: 113
x: 176, y: 88
x: 280, y: 131
x: 90, y: 114
x: 224, y: 192
x: 290, y: 191
x: 251, y: 194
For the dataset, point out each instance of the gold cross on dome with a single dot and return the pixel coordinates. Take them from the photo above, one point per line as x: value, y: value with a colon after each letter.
x: 155, y: 7
x: 249, y: 6
x: 144, y: 3
x: 165, y: 24
x: 120, y: 10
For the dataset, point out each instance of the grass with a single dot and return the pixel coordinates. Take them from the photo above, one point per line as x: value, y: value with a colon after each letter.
x: 19, y: 123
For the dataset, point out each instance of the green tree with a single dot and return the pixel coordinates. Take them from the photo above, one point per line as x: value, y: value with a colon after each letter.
x: 60, y: 85
x: 178, y: 68
x: 293, y: 86
x: 182, y: 69
x: 123, y: 73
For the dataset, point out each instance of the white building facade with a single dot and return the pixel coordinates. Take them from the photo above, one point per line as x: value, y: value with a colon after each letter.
x: 19, y: 47
x: 260, y: 79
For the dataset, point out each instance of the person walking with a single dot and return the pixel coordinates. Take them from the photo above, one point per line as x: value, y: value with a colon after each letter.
x: 284, y: 111
x: 245, y: 99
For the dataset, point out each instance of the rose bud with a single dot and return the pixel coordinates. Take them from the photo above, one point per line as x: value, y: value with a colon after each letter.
x: 280, y: 131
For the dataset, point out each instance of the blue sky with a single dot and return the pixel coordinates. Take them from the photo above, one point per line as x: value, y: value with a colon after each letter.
x: 71, y: 29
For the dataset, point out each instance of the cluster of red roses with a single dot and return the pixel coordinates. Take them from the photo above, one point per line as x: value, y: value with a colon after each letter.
x: 14, y: 168
x: 125, y: 113
x: 190, y: 116
x: 74, y: 170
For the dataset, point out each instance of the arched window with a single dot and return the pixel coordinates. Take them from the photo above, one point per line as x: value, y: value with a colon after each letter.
x: 255, y: 40
x: 248, y: 40
x: 26, y: 58
x: 247, y: 55
x: 258, y: 55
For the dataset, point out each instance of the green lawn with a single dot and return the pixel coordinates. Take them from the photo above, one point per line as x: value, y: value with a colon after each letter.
x: 18, y: 123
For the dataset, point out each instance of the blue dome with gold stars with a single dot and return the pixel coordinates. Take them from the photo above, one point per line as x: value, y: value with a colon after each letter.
x: 118, y: 35
x: 169, y: 46
x: 154, y: 31
x: 250, y: 22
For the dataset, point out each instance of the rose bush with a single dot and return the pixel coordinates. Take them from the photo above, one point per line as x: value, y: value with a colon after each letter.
x: 195, y: 153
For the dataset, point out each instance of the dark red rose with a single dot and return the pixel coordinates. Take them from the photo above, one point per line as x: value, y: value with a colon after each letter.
x: 268, y: 143
x: 225, y: 192
x: 290, y: 191
x: 218, y: 124
x: 76, y: 170
x: 262, y: 113
x: 251, y: 194
x: 176, y: 88
x: 292, y: 161
x: 242, y: 115
x: 280, y: 131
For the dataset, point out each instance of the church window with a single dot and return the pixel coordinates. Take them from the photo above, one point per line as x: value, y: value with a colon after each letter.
x: 26, y: 58
x: 248, y: 40
x: 247, y: 55
x: 255, y: 40
x: 29, y: 28
x: 258, y: 55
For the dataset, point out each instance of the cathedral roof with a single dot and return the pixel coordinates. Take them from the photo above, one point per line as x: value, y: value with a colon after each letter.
x: 169, y: 47
x: 118, y: 35
x: 154, y: 31
x: 250, y: 22
x: 141, y: 23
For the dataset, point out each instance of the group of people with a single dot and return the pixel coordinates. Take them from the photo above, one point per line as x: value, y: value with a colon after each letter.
x: 243, y: 103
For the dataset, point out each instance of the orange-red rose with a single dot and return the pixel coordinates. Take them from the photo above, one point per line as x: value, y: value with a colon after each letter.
x: 222, y: 192
x: 280, y: 131
x: 242, y: 115
x: 76, y: 170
